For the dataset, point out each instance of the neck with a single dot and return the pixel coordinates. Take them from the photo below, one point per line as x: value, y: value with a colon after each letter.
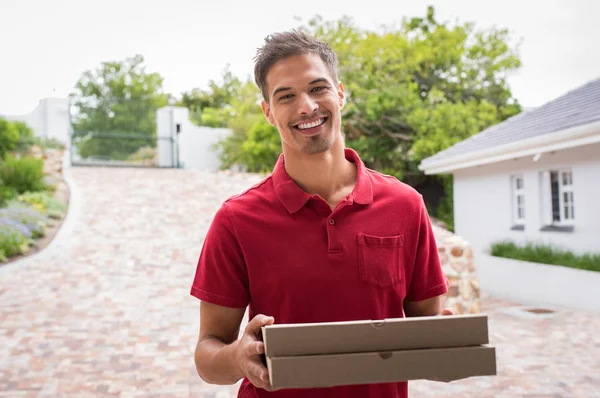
x: 324, y: 174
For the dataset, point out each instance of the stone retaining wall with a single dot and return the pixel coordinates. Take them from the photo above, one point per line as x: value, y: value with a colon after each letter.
x: 458, y: 264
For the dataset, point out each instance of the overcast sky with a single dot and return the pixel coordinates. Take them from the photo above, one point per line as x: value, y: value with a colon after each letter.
x: 45, y: 45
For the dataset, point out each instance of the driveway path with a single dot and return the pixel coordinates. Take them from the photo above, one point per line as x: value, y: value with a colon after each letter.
x: 105, y: 310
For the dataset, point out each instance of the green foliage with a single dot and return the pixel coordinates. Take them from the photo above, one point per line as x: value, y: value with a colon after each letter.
x: 418, y: 88
x: 262, y: 148
x: 14, y: 237
x: 7, y: 194
x: 546, y: 254
x: 49, y: 143
x: 115, y: 109
x: 214, y: 106
x: 254, y: 143
x: 9, y: 137
x: 445, y: 209
x: 412, y: 90
x: 26, y: 137
x: 44, y: 202
x: 23, y: 174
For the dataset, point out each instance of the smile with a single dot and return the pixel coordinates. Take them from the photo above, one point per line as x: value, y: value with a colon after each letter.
x: 311, y: 125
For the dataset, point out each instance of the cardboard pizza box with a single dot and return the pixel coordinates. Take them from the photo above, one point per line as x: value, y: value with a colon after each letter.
x: 378, y: 351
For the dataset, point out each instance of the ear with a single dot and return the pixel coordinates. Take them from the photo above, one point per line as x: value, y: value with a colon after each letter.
x: 267, y: 112
x: 341, y: 94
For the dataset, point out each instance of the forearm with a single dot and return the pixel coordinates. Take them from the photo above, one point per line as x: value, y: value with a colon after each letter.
x: 215, y: 362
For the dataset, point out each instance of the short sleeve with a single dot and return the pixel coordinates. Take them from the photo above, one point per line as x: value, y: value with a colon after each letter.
x: 428, y: 279
x: 221, y: 277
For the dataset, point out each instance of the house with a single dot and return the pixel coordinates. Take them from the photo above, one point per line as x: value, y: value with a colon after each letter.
x: 533, y: 178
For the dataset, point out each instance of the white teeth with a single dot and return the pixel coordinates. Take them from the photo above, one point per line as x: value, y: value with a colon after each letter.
x: 305, y: 126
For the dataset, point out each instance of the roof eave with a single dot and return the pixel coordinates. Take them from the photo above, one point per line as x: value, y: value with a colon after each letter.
x: 567, y: 138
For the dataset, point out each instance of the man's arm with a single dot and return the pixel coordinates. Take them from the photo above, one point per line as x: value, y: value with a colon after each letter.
x: 223, y: 359
x: 428, y: 284
x: 429, y: 307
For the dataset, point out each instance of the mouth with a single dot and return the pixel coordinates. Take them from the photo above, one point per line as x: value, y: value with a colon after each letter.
x: 311, y: 127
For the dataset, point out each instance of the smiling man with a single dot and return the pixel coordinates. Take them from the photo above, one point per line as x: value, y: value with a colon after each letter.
x: 323, y: 238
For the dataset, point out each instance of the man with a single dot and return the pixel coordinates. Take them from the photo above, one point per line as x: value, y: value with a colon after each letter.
x: 321, y: 239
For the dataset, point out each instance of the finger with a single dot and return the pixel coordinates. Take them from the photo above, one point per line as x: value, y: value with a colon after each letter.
x: 447, y: 311
x: 259, y: 321
x: 259, y: 374
x: 254, y: 348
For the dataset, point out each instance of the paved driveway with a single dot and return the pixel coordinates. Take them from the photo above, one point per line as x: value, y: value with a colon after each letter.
x: 105, y: 310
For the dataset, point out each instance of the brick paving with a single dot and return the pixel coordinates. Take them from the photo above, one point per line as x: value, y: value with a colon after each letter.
x: 105, y: 310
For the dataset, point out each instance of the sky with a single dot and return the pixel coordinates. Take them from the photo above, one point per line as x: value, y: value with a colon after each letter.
x: 46, y: 45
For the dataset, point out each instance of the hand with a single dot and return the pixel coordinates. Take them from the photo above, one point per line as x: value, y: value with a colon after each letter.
x: 445, y: 311
x: 249, y: 351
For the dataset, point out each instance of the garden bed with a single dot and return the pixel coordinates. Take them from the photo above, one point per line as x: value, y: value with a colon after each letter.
x: 53, y: 225
x: 33, y: 194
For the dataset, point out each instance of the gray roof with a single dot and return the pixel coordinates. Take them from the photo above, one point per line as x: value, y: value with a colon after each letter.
x: 578, y: 107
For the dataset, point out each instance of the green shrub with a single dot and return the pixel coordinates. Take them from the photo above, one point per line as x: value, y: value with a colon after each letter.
x: 14, y: 237
x: 26, y: 137
x: 546, y: 254
x: 9, y: 137
x: 45, y: 203
x: 6, y: 194
x: 23, y: 174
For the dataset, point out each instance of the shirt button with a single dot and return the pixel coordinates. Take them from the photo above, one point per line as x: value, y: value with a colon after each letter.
x: 331, y: 221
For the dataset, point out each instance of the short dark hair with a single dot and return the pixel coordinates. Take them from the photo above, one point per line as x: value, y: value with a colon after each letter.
x: 286, y: 44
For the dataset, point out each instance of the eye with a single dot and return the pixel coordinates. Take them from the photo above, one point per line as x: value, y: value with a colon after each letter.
x: 320, y: 88
x: 287, y: 96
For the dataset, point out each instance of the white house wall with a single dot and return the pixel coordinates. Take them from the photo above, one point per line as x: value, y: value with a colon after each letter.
x: 483, y: 201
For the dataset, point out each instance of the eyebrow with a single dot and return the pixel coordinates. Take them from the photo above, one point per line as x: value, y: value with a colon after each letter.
x: 317, y: 80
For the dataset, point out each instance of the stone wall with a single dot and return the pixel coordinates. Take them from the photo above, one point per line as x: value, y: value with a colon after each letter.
x: 458, y: 264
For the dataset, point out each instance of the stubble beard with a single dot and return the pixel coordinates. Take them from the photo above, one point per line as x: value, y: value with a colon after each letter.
x: 317, y: 144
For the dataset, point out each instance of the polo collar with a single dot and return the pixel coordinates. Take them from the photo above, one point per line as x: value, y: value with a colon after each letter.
x: 294, y: 198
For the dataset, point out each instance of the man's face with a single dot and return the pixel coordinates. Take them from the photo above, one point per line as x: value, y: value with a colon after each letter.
x: 304, y: 103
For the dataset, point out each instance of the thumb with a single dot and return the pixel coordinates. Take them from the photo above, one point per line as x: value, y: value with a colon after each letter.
x: 447, y: 311
x: 259, y: 321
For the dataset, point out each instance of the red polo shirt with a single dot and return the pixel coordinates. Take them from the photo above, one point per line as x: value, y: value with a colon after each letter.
x: 286, y: 254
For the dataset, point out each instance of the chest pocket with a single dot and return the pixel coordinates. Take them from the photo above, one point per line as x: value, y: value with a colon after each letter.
x: 379, y: 259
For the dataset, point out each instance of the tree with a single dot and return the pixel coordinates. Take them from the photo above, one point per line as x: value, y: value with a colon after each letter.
x: 235, y: 103
x: 213, y: 107
x: 419, y: 88
x: 115, y: 109
x: 412, y: 90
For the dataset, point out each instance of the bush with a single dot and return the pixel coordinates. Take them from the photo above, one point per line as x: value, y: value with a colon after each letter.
x: 9, y: 137
x: 6, y: 194
x: 23, y: 174
x: 44, y: 203
x: 14, y: 237
x: 546, y: 254
x: 26, y: 137
x: 33, y: 220
x: 48, y: 143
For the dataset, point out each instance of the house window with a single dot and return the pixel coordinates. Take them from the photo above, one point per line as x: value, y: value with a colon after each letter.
x: 558, y: 204
x: 563, y: 206
x: 518, y: 188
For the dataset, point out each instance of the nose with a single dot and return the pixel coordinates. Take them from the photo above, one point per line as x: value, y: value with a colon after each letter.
x: 307, y: 104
